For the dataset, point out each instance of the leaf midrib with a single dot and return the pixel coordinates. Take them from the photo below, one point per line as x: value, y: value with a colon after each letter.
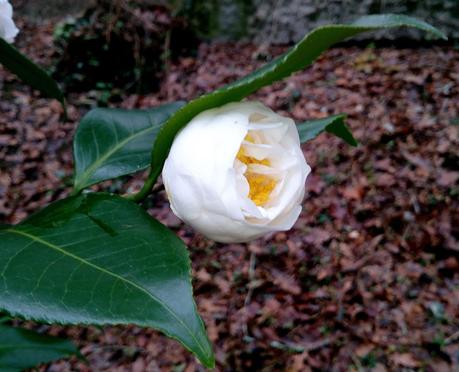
x: 94, y: 266
x: 80, y: 182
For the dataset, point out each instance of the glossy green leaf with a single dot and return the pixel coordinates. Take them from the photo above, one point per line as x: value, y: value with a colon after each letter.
x: 100, y: 259
x: 114, y: 142
x: 335, y: 124
x: 297, y: 58
x: 21, y: 349
x: 29, y: 72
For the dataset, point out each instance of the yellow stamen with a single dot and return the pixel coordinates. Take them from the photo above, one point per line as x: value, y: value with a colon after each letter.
x: 260, y: 185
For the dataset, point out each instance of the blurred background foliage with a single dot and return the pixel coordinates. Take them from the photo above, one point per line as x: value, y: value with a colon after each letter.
x: 119, y: 44
x: 111, y: 45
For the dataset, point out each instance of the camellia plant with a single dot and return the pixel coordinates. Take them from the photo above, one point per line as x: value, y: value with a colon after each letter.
x: 232, y: 169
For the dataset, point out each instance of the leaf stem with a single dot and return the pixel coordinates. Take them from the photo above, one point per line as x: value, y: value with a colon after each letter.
x: 147, y: 186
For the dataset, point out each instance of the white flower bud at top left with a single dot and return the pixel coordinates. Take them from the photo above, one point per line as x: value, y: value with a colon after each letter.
x: 237, y: 172
x: 8, y: 29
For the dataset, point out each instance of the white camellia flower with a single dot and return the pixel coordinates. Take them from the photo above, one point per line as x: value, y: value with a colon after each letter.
x: 8, y: 29
x: 237, y: 172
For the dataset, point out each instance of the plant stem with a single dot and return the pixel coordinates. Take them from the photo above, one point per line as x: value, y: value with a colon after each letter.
x: 146, y: 188
x: 74, y: 192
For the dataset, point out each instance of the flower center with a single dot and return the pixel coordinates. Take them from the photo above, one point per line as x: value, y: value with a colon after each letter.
x: 260, y: 185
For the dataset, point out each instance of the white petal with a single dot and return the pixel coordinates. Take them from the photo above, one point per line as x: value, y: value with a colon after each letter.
x: 205, y: 151
x: 206, y: 183
x: 257, y: 150
x: 6, y: 10
x: 8, y: 29
x: 185, y: 198
x: 286, y: 221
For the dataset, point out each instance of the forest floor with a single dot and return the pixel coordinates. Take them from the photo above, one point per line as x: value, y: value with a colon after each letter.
x: 369, y: 276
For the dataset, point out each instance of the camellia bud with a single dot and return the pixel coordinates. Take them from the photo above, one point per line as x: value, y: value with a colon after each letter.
x: 8, y: 29
x: 237, y: 172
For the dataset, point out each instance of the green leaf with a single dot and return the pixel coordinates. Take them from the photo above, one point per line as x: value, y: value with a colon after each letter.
x: 100, y: 259
x: 4, y: 319
x: 21, y: 349
x: 297, y: 58
x: 310, y: 129
x: 29, y: 72
x: 113, y: 142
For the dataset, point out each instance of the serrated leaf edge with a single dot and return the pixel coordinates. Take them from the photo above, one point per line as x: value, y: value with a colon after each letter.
x: 208, y: 363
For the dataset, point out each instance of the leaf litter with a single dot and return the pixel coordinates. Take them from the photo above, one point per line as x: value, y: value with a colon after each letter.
x: 369, y: 276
